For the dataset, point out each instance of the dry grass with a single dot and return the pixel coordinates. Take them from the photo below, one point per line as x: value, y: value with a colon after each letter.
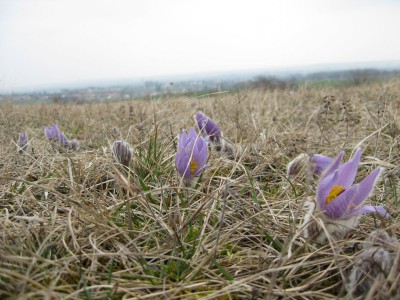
x: 77, y: 225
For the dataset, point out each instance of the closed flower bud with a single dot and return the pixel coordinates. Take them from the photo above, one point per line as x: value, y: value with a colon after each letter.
x: 373, y: 266
x: 74, y: 145
x: 122, y: 152
x: 209, y: 127
x: 317, y: 163
x: 22, y: 142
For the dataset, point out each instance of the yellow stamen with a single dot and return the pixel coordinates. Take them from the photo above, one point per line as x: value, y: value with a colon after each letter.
x: 336, y: 191
x: 193, y: 166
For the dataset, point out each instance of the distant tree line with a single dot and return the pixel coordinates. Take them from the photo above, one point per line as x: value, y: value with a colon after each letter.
x: 272, y: 83
x: 150, y: 89
x: 355, y: 77
x: 352, y: 77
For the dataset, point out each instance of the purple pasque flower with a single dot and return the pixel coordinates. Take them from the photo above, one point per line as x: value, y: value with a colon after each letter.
x: 54, y: 134
x: 192, y: 153
x: 209, y: 127
x: 338, y: 197
x: 299, y: 165
x: 23, y: 141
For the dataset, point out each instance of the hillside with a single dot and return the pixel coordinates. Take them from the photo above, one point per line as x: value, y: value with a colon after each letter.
x: 76, y: 224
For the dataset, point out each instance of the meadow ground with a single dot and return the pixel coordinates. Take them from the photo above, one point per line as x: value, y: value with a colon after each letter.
x: 79, y: 225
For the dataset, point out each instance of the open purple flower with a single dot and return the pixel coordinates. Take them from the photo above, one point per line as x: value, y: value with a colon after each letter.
x: 209, y: 127
x: 339, y: 198
x: 192, y: 153
x: 22, y: 142
x: 54, y: 134
x: 339, y: 202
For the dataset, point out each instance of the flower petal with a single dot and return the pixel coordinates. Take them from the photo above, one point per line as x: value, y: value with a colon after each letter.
x: 370, y: 209
x: 182, y: 140
x: 48, y: 133
x: 321, y: 162
x: 201, y: 120
x: 55, y: 130
x: 63, y: 140
x: 348, y: 171
x: 192, y: 154
x: 192, y: 134
x: 324, y: 188
x: 366, y: 186
x: 199, y: 170
x: 182, y: 161
x: 199, y: 143
x: 333, y: 166
x: 202, y: 155
x: 339, y: 206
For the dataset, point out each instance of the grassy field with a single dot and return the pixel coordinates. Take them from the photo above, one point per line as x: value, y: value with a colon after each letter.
x: 76, y: 224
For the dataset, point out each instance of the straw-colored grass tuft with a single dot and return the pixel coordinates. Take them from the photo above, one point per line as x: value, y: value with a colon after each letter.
x: 78, y: 225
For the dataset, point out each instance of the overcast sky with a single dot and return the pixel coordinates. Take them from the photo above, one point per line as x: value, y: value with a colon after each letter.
x: 53, y: 41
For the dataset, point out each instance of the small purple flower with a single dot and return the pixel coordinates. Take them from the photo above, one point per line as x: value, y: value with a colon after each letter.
x: 23, y: 142
x: 209, y: 127
x: 192, y: 154
x: 338, y: 198
x: 54, y: 134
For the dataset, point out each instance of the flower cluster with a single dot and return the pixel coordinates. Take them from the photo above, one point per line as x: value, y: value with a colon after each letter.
x: 336, y: 209
x: 338, y: 204
x: 54, y: 134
